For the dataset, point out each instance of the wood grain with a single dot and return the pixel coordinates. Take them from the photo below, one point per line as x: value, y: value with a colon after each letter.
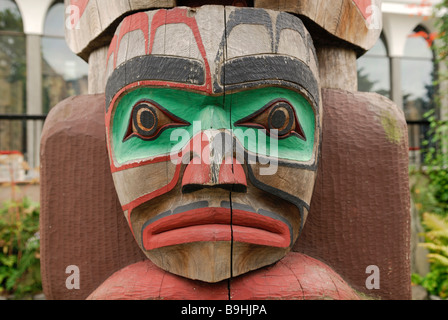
x: 337, y: 68
x: 96, y: 25
x: 342, y: 19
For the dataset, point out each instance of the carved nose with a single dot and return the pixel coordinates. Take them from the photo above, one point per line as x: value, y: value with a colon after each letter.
x: 214, y: 166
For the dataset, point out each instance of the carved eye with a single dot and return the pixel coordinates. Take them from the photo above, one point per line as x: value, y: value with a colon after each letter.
x: 277, y: 115
x: 144, y: 120
x: 149, y: 120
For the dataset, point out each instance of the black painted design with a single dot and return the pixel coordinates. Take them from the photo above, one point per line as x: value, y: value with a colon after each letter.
x: 299, y: 203
x: 275, y: 105
x: 260, y: 70
x: 238, y: 17
x: 237, y: 206
x: 144, y: 119
x: 263, y: 212
x: 153, y: 134
x: 157, y: 68
x: 287, y: 21
x: 250, y: 16
x: 191, y: 206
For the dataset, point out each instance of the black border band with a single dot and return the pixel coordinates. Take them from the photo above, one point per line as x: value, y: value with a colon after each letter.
x: 157, y: 68
x: 269, y: 69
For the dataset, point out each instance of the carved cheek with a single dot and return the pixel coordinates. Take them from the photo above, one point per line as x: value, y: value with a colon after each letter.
x: 135, y: 184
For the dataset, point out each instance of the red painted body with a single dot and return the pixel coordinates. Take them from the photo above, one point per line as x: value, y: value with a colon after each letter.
x: 296, y: 277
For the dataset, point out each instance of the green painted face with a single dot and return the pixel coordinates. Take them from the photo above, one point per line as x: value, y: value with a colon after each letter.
x: 245, y: 113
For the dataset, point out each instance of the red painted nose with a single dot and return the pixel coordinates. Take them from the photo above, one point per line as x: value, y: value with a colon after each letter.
x: 209, y: 169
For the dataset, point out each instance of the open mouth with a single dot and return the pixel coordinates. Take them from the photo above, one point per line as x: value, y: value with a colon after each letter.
x: 200, y: 223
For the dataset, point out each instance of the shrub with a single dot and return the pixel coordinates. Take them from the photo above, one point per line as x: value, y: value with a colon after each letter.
x: 20, y: 249
x: 436, y: 241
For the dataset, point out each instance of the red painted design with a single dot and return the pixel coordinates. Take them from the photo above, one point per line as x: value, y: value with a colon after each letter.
x: 295, y: 277
x: 137, y: 21
x: 180, y: 15
x: 196, y: 172
x: 232, y: 172
x: 170, y: 186
x: 199, y: 169
x: 140, y: 21
x: 213, y: 224
x: 113, y: 166
x: 81, y: 4
x: 363, y: 6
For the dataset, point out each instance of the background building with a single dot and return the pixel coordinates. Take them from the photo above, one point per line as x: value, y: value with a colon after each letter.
x: 402, y: 66
x: 37, y: 70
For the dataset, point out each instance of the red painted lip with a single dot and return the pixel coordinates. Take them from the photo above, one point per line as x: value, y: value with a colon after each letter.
x: 214, y: 224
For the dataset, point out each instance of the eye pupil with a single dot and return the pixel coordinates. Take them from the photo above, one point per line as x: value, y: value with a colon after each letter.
x: 278, y: 119
x: 281, y: 118
x: 147, y: 119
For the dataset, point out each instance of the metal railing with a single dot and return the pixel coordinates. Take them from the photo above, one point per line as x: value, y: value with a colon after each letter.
x: 21, y: 132
x: 29, y: 127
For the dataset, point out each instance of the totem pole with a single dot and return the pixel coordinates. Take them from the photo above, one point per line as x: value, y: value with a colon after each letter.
x: 224, y: 152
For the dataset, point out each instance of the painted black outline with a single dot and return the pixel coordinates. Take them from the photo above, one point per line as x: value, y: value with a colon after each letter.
x: 155, y: 68
x: 246, y: 121
x: 270, y: 69
x: 177, y: 122
x: 154, y: 129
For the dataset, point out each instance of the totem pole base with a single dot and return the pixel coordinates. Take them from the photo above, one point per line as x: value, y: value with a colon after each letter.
x: 296, y: 277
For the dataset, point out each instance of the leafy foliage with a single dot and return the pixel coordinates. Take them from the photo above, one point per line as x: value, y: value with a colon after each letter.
x: 20, y: 249
x: 432, y: 198
x: 436, y: 237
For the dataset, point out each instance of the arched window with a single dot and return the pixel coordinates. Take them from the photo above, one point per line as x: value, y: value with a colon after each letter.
x: 374, y: 70
x: 64, y: 73
x: 418, y: 73
x: 12, y: 75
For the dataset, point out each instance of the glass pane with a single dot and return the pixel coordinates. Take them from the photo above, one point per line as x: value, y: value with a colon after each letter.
x: 379, y: 49
x: 417, y: 87
x: 418, y: 45
x: 374, y: 75
x: 54, y: 22
x: 10, y: 18
x: 64, y: 73
x: 12, y: 74
x: 12, y: 90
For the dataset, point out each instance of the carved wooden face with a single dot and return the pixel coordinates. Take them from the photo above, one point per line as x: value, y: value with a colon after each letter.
x: 213, y: 124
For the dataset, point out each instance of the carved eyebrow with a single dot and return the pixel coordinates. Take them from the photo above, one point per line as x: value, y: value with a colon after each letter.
x: 249, y: 71
x: 157, y: 68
